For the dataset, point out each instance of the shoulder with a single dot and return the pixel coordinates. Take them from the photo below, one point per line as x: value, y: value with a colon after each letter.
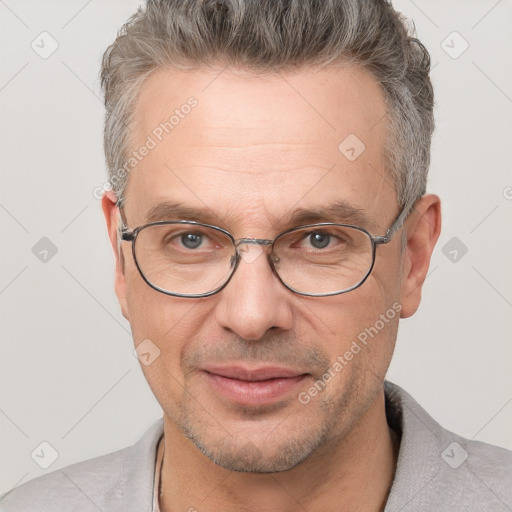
x: 107, y: 482
x: 440, y: 470
x: 470, y: 475
x: 474, y: 473
x: 78, y: 485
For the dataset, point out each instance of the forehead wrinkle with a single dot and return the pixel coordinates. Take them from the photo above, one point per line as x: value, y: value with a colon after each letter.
x: 340, y: 212
x: 254, y: 157
x: 259, y: 173
x: 245, y: 146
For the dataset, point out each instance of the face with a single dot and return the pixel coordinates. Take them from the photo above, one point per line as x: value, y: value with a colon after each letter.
x: 237, y: 371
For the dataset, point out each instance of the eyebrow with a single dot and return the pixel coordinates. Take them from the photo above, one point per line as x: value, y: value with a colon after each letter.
x: 340, y: 212
x: 177, y: 211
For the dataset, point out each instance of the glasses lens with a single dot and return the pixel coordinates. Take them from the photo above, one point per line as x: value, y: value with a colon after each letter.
x: 184, y: 258
x: 323, y: 259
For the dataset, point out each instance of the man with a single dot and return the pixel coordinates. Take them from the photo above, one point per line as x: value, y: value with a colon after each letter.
x: 270, y: 226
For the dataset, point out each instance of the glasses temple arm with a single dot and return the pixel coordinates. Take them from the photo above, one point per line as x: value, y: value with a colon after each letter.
x: 397, y: 224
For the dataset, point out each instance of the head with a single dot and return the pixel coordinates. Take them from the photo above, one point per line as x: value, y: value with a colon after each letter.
x: 244, y: 113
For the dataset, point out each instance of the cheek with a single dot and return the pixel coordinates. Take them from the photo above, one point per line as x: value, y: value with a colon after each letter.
x: 161, y: 328
x: 358, y: 329
x: 168, y: 321
x: 156, y: 320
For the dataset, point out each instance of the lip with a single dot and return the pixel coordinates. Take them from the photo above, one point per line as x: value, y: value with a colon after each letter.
x: 253, y: 374
x: 253, y: 386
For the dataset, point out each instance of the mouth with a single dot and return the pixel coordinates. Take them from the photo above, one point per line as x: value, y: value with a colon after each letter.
x: 253, y: 386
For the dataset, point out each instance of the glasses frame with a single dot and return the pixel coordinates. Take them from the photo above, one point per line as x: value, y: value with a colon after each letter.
x: 131, y: 236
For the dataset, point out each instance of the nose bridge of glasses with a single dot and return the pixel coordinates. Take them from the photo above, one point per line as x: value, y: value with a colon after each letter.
x: 257, y: 241
x: 248, y: 255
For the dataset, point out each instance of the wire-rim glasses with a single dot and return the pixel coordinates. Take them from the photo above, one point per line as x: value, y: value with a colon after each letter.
x: 191, y: 259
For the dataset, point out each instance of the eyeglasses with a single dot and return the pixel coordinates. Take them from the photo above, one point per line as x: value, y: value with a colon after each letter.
x: 191, y: 259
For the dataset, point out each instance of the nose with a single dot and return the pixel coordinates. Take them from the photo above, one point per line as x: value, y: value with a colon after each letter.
x: 254, y: 300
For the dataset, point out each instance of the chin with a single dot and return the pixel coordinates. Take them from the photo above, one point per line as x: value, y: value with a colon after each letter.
x: 260, y: 456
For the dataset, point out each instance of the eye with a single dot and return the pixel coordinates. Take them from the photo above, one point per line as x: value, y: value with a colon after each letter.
x: 322, y: 239
x: 191, y: 240
x: 319, y: 239
x: 174, y: 238
x: 198, y: 240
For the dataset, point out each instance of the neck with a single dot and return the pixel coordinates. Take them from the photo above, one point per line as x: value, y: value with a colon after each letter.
x: 335, y: 478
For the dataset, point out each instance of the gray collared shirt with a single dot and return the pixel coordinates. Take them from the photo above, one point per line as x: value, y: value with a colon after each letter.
x: 436, y: 471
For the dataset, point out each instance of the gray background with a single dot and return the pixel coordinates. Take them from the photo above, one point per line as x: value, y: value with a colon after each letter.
x: 68, y: 374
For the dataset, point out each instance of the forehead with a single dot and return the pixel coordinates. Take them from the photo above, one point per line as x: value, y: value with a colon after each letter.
x: 253, y: 146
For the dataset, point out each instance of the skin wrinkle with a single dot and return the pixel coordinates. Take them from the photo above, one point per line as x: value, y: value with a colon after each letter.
x: 262, y: 170
x: 340, y: 212
x: 342, y: 432
x: 246, y: 146
x: 262, y: 174
x: 363, y: 222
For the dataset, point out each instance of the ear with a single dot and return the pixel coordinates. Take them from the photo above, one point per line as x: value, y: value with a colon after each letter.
x: 422, y: 230
x: 112, y: 216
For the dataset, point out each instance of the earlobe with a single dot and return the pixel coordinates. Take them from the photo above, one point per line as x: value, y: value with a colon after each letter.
x: 112, y: 217
x: 423, y: 227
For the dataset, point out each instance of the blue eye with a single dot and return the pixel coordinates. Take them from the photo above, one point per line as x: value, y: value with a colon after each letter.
x: 319, y: 239
x: 191, y: 240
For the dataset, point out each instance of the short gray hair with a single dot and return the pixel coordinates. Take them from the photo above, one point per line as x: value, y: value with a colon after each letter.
x: 266, y: 36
